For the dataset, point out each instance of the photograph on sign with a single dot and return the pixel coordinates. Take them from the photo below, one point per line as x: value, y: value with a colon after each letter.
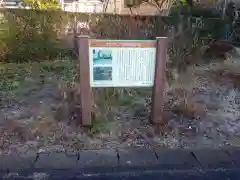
x: 102, y: 57
x: 122, y: 63
x: 102, y: 74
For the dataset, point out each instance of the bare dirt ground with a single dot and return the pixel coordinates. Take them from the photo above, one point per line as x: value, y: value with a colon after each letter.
x: 201, y: 110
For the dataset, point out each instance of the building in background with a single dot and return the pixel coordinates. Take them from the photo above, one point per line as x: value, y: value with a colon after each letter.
x: 95, y: 6
x: 88, y: 6
x: 143, y: 7
x: 13, y: 4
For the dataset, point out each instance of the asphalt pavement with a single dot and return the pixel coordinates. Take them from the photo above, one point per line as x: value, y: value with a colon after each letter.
x: 124, y: 164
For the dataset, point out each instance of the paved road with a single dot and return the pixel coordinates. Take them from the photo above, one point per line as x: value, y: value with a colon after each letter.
x: 124, y: 164
x: 220, y: 174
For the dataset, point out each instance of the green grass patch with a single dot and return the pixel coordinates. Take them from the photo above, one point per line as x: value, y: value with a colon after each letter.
x: 20, y: 76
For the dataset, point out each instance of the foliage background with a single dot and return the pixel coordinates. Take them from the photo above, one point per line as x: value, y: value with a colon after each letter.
x: 36, y: 35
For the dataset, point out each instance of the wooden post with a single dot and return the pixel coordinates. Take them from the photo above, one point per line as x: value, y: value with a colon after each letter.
x: 85, y: 88
x: 159, y: 79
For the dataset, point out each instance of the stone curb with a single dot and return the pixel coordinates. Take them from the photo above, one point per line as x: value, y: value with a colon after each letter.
x: 120, y: 160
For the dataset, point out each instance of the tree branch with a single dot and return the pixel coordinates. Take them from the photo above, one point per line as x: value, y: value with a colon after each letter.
x: 1, y: 2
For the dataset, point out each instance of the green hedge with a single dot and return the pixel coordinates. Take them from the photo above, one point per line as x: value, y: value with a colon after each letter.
x: 35, y: 35
x: 31, y: 35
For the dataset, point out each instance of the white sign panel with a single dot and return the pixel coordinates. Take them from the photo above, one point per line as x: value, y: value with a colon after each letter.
x: 122, y: 63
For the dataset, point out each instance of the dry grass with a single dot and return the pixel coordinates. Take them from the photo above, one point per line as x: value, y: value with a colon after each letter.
x: 59, y: 123
x: 120, y: 115
x: 183, y: 89
x: 110, y: 109
x: 227, y: 71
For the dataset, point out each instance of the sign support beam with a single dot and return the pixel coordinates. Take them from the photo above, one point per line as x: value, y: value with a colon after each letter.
x: 85, y: 88
x: 159, y: 81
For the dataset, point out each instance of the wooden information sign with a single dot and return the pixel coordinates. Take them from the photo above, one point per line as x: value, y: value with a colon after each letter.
x: 122, y: 63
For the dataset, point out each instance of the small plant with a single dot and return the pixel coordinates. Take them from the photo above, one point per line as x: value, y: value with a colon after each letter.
x: 99, y: 125
x: 125, y: 101
x: 183, y: 90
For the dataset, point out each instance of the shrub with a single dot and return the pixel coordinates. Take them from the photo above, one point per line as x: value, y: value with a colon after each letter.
x: 35, y: 35
x: 43, y: 4
x: 32, y: 35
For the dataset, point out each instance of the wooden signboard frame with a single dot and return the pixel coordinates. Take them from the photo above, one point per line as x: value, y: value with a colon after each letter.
x: 157, y: 91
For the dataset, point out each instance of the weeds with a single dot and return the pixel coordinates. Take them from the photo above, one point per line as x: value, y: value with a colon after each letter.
x: 99, y: 125
x: 183, y: 88
x: 117, y: 112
